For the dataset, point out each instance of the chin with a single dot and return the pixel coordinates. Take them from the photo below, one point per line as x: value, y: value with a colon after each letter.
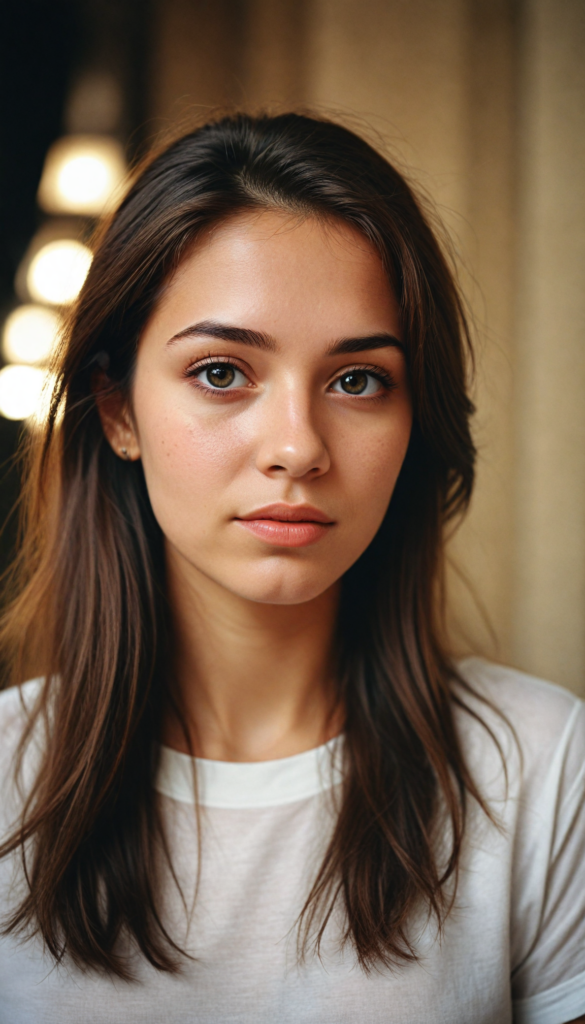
x: 282, y: 586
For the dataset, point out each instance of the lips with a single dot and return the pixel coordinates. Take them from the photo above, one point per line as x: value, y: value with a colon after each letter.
x: 287, y: 525
x: 289, y: 514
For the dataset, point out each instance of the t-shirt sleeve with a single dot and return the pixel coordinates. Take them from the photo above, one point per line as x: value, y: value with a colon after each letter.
x: 548, y: 918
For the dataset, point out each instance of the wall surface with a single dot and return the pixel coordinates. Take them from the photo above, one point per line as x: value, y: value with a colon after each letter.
x: 549, y: 371
x: 482, y: 102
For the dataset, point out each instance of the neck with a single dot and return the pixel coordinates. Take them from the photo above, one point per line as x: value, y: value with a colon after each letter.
x: 255, y: 681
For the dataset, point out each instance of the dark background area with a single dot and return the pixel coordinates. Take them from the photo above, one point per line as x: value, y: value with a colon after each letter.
x: 46, y: 46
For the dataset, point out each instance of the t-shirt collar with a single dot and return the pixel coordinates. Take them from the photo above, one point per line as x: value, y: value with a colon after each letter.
x: 239, y: 785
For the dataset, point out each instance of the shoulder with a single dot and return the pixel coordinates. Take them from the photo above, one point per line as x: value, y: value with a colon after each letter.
x: 538, y: 728
x: 538, y: 711
x: 13, y: 697
x: 16, y: 705
x: 540, y: 846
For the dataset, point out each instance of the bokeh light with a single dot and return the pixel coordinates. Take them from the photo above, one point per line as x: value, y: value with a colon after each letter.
x: 30, y: 334
x: 57, y: 271
x: 81, y: 174
x: 21, y: 392
x: 84, y: 179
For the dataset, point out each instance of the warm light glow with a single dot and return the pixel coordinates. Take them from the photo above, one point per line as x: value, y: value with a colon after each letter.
x: 81, y: 174
x: 21, y: 392
x: 84, y: 179
x: 30, y: 334
x: 57, y: 271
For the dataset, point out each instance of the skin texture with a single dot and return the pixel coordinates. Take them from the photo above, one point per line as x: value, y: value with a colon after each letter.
x: 253, y: 618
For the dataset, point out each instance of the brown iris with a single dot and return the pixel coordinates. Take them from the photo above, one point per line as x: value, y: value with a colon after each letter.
x: 355, y: 382
x: 221, y: 376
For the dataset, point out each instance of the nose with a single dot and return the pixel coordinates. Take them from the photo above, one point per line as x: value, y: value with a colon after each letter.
x: 291, y: 441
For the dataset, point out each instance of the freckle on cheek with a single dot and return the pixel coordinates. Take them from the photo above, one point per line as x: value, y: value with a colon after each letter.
x: 216, y: 443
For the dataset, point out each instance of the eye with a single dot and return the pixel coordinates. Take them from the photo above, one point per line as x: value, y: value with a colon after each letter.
x: 221, y: 376
x: 357, y: 382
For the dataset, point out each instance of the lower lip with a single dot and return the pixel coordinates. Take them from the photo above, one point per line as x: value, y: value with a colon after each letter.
x: 285, y: 534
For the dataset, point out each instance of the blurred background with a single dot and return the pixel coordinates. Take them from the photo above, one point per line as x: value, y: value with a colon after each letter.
x: 481, y: 102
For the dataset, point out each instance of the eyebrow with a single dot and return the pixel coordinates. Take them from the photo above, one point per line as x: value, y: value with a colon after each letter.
x: 370, y: 341
x: 261, y: 340
x: 213, y: 329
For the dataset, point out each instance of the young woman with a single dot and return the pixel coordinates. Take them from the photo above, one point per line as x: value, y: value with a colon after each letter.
x: 247, y: 782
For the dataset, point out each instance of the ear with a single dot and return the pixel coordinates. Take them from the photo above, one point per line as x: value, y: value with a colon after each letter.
x: 116, y: 418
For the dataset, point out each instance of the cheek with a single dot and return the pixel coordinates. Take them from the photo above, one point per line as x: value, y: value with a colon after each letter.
x: 188, y: 461
x: 369, y: 466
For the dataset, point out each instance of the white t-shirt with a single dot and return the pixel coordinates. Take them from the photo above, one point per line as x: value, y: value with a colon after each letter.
x: 513, y: 947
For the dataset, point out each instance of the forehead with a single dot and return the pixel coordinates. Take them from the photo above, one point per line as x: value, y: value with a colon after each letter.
x: 283, y: 274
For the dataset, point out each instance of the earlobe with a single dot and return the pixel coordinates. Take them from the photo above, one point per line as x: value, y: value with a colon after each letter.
x: 115, y: 417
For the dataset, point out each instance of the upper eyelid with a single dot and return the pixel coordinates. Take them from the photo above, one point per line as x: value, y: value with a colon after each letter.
x: 223, y: 358
x: 366, y: 368
x: 373, y: 367
x: 199, y: 364
x: 211, y: 359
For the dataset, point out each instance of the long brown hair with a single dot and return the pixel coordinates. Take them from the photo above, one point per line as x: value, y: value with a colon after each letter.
x: 90, y: 613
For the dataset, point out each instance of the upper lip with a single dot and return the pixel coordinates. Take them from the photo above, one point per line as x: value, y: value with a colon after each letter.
x: 289, y: 513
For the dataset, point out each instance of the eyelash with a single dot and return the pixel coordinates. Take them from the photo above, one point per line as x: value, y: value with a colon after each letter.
x: 192, y: 371
x: 386, y: 378
x: 383, y: 376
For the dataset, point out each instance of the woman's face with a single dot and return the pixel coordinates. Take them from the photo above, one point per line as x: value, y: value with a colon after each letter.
x: 270, y: 405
